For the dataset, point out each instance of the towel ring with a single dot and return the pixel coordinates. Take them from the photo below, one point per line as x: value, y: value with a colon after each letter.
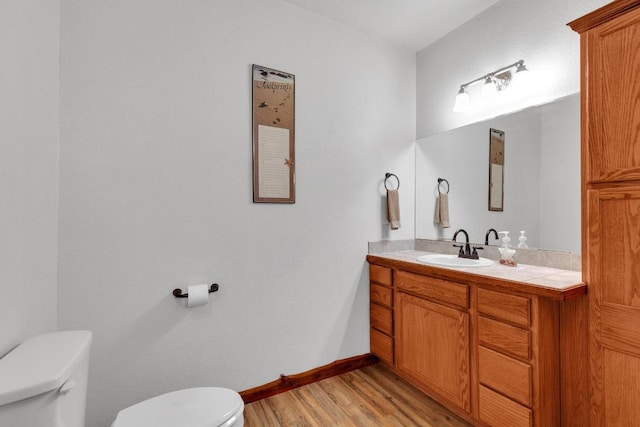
x: 389, y: 175
x: 440, y: 180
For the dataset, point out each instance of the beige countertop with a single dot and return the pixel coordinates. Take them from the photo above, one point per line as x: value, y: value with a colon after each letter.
x: 549, y: 282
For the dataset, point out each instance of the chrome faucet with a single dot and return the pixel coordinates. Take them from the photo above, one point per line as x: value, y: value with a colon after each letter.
x: 486, y: 236
x: 465, y: 251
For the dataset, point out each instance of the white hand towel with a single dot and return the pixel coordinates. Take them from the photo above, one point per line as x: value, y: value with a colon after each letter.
x: 393, y: 209
x: 441, y: 216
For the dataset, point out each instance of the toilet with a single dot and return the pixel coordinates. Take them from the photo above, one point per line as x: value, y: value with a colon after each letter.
x: 191, y: 407
x: 43, y: 383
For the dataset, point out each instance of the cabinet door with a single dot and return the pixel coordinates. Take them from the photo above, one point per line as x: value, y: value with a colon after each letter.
x: 613, y: 275
x: 432, y: 347
x: 612, y: 70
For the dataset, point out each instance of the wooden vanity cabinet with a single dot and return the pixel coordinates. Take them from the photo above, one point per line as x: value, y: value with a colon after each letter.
x: 518, y: 359
x: 491, y: 356
x: 432, y: 335
x: 381, y: 313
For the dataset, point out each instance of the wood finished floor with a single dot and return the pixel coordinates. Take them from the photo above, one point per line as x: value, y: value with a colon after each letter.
x: 371, y: 396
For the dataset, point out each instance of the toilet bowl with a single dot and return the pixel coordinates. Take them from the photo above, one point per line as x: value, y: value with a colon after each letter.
x: 192, y: 407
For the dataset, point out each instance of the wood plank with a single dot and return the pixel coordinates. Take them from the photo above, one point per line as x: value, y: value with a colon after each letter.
x: 504, y: 337
x: 316, y: 414
x: 474, y: 345
x: 324, y: 410
x: 341, y: 398
x: 410, y: 403
x: 371, y: 396
x: 545, y: 362
x: 260, y: 410
x: 574, y: 368
x: 288, y: 412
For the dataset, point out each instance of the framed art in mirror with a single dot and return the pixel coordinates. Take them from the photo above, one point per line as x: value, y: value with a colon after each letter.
x: 496, y: 170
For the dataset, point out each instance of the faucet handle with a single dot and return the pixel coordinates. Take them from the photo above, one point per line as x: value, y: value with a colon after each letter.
x: 461, y: 251
x: 474, y: 255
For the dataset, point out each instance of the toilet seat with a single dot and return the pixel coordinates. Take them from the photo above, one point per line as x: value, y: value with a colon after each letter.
x: 192, y: 407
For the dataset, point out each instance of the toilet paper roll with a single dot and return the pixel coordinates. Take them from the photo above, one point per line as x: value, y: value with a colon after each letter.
x: 198, y: 295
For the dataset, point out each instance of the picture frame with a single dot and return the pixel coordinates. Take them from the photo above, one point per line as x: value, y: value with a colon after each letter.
x: 273, y: 100
x: 496, y: 170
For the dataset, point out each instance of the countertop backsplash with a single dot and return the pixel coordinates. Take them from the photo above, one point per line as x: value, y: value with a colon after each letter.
x: 383, y: 246
x: 540, y: 257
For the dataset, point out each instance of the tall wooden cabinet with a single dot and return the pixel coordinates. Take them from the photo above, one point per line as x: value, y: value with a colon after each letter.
x: 610, y: 51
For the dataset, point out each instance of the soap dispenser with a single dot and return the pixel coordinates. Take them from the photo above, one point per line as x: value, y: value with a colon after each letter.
x: 523, y: 240
x: 506, y: 251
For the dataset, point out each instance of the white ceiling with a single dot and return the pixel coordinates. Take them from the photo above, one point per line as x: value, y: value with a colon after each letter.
x: 413, y: 24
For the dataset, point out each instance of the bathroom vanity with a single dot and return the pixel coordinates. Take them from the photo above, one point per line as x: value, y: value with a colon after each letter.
x: 497, y: 345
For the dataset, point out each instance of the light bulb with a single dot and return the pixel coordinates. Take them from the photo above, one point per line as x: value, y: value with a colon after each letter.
x: 522, y: 76
x: 462, y: 103
x: 489, y: 89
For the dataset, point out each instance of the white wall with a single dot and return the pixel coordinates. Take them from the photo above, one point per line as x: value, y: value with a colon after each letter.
x: 29, y: 48
x: 534, y: 31
x: 155, y: 192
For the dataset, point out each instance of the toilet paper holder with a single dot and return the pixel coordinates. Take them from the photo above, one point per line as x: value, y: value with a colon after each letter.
x: 177, y: 292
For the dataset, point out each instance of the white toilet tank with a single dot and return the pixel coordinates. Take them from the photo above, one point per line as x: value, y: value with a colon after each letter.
x: 43, y: 381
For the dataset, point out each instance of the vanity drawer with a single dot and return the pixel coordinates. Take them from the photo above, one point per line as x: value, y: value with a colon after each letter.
x: 504, y: 374
x: 506, y: 338
x: 381, y: 318
x: 510, y: 308
x: 380, y: 294
x: 499, y: 411
x: 432, y: 288
x: 380, y: 274
x: 381, y: 345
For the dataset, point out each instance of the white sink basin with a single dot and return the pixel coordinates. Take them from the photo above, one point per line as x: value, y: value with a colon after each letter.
x: 452, y: 261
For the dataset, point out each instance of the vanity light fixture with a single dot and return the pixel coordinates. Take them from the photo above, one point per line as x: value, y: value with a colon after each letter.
x: 494, y: 82
x: 462, y: 101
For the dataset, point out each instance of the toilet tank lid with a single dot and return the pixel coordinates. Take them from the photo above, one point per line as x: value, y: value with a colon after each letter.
x: 42, y: 363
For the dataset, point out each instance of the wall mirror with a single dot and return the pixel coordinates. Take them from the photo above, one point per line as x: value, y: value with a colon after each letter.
x: 541, y: 177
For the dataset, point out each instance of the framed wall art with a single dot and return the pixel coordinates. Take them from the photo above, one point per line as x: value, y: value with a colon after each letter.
x: 273, y: 136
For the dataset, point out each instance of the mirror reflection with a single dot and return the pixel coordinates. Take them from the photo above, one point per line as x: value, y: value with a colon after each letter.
x: 541, y: 177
